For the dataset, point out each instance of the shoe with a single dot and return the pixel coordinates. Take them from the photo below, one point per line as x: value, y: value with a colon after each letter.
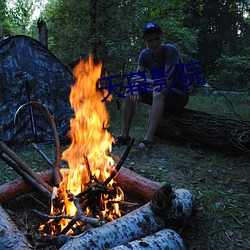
x: 146, y: 144
x: 121, y: 141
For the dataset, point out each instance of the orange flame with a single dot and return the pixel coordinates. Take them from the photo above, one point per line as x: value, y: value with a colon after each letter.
x: 90, y: 138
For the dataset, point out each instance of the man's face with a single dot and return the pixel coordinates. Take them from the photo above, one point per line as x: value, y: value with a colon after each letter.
x: 153, y: 41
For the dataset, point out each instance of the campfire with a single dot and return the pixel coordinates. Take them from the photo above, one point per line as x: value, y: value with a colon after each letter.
x: 87, y: 198
x: 87, y: 188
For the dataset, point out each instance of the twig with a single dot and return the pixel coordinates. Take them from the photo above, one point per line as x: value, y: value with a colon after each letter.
x: 87, y: 220
x: 47, y: 207
x: 79, y: 215
x: 25, y: 175
x: 52, y: 217
x: 23, y: 165
x: 96, y: 187
x: 42, y: 154
x: 86, y: 162
x: 120, y: 163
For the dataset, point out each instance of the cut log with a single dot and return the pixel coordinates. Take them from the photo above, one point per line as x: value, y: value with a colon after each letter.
x: 212, y: 131
x: 140, y: 187
x: 136, y: 185
x: 18, y: 187
x: 10, y: 237
x: 163, y: 239
x: 150, y: 218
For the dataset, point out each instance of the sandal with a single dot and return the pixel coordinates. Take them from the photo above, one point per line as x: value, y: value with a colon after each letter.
x: 146, y: 144
x: 121, y: 141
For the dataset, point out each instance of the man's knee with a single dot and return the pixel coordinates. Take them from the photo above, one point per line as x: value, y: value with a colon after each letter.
x: 159, y: 95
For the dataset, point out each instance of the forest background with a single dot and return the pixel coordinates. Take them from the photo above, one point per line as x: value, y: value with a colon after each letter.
x: 215, y: 33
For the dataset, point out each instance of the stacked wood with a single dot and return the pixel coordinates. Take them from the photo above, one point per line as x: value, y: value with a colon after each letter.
x: 167, y: 209
x: 10, y: 237
x: 150, y: 218
x: 212, y: 131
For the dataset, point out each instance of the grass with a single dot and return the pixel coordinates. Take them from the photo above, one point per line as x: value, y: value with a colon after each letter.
x: 219, y: 180
x: 226, y: 105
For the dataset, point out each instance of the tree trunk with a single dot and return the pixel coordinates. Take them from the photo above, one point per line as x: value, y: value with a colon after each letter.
x: 212, y: 131
x: 10, y: 237
x: 43, y: 32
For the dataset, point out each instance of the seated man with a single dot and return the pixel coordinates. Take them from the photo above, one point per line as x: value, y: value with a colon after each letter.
x: 169, y: 97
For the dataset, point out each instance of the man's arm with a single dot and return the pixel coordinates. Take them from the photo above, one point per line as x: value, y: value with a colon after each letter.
x: 171, y: 71
x: 166, y: 68
x: 136, y: 95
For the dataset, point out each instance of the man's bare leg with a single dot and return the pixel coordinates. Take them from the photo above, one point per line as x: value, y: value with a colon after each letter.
x: 128, y: 110
x: 156, y: 114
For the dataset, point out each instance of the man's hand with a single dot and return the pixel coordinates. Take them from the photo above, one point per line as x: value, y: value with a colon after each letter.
x: 136, y: 93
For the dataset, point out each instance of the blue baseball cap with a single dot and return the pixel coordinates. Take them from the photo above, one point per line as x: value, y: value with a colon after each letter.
x: 150, y: 26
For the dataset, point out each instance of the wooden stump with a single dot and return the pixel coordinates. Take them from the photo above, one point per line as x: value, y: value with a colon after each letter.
x: 212, y: 131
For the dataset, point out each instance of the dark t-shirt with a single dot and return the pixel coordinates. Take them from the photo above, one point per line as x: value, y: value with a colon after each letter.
x: 170, y: 56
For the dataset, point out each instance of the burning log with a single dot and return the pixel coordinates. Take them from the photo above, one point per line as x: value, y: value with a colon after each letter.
x: 163, y: 239
x: 10, y: 237
x: 165, y: 210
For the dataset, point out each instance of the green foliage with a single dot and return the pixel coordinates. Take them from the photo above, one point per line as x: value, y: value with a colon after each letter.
x: 233, y: 106
x: 213, y: 32
x: 112, y: 30
x: 232, y: 71
x: 4, y: 19
x: 223, y: 32
x: 20, y: 16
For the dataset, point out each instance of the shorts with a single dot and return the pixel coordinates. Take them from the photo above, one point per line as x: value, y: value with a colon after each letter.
x: 175, y: 99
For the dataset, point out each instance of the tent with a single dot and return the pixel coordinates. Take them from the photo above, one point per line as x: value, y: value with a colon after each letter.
x: 30, y: 72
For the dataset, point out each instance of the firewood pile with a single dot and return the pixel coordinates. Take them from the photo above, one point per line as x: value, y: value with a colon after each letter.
x: 155, y: 223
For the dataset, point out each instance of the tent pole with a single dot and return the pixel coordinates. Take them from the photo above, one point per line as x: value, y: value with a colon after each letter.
x: 33, y: 125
